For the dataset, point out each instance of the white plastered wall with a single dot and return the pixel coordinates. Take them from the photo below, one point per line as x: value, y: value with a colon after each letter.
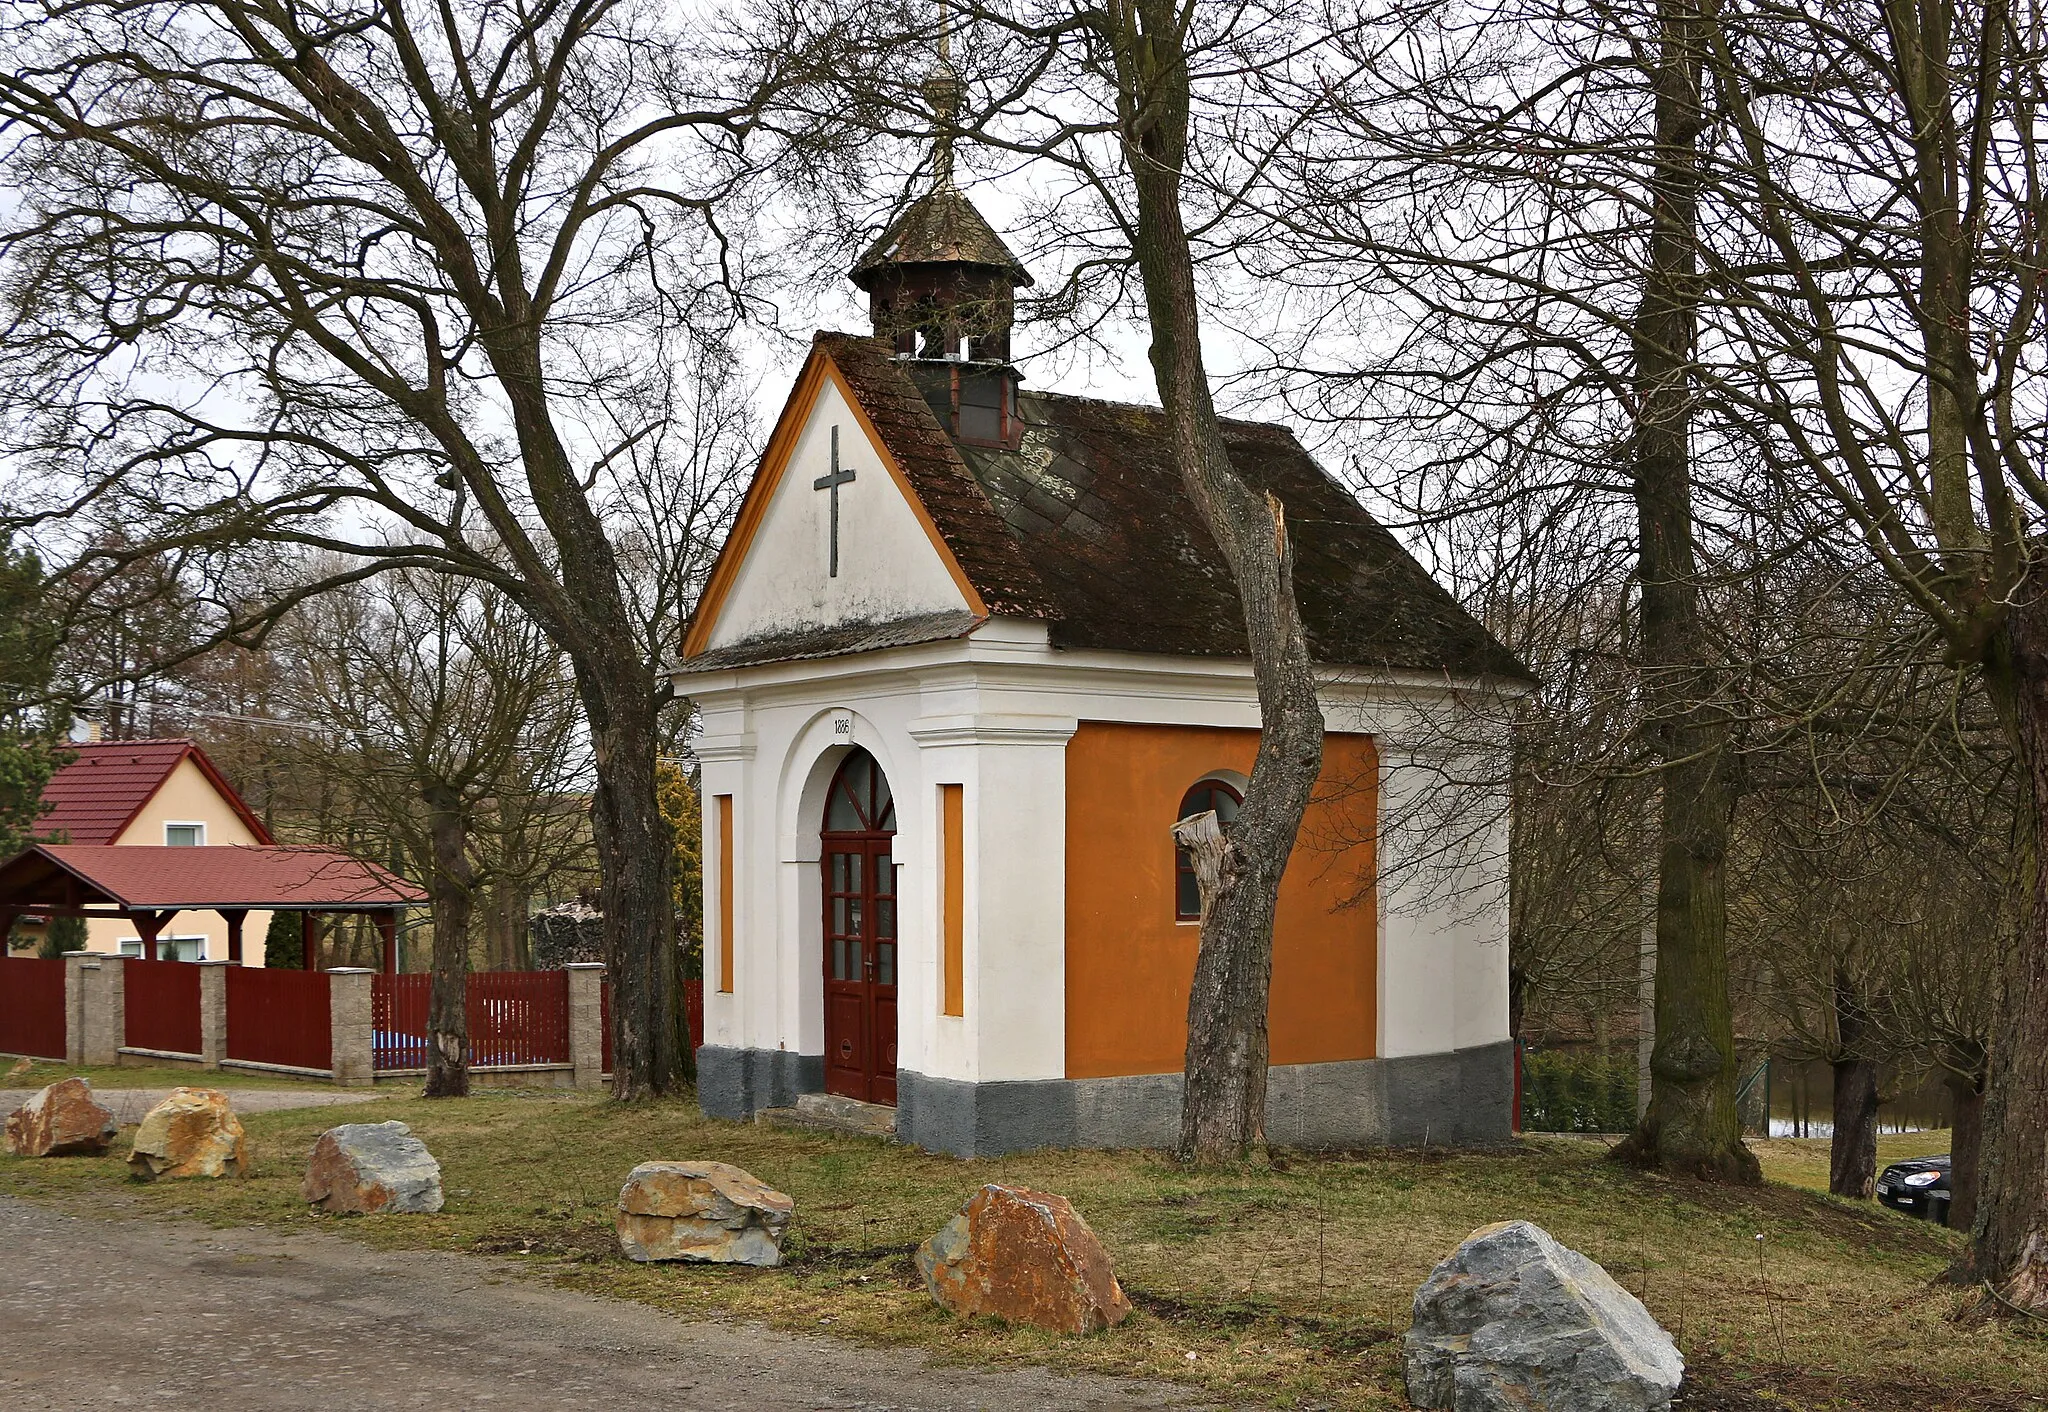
x: 992, y: 713
x: 187, y: 796
x: 889, y: 568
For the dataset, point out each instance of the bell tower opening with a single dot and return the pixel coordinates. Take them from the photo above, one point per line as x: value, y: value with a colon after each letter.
x: 942, y: 291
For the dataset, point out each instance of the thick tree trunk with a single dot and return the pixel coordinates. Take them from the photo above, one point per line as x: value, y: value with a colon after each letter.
x: 2009, y: 1237
x: 634, y: 850
x: 1965, y: 1146
x: 1691, y: 1124
x: 1223, y: 1107
x: 1852, y: 1153
x: 452, y: 885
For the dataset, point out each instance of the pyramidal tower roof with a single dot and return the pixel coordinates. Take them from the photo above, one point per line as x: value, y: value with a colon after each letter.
x: 940, y: 228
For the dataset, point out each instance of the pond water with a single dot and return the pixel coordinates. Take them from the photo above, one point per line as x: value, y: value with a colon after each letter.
x: 1802, y: 1099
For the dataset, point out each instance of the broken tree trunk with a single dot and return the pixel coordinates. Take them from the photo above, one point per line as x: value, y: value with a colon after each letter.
x: 1223, y: 1107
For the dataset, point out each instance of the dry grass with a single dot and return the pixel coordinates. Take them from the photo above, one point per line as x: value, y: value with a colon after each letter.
x: 35, y: 1073
x: 1287, y: 1284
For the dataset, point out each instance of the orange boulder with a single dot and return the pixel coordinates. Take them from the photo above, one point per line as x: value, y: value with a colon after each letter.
x: 1026, y: 1257
x: 192, y: 1133
x: 62, y: 1121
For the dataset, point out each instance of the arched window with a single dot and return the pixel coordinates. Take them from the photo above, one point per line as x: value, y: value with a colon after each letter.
x: 1206, y: 795
x: 860, y: 800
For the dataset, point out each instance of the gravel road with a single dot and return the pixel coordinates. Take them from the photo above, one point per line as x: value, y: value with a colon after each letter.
x: 129, y: 1104
x: 107, y: 1312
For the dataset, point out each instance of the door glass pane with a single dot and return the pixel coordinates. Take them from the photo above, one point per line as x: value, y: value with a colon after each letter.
x: 853, y: 862
x: 853, y: 961
x: 885, y: 918
x: 854, y: 927
x: 885, y: 876
x: 839, y: 959
x: 839, y: 927
x: 885, y: 964
x: 841, y: 816
x: 839, y: 872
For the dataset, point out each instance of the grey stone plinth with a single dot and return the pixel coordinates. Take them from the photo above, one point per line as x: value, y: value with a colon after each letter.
x: 213, y: 1012
x: 586, y: 1023
x: 353, y: 1056
x: 95, y: 1007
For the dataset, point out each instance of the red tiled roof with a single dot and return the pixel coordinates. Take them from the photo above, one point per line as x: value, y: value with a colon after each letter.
x: 96, y: 796
x: 156, y: 878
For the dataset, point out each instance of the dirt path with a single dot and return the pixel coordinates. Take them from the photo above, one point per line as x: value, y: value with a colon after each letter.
x: 129, y: 1104
x: 110, y: 1313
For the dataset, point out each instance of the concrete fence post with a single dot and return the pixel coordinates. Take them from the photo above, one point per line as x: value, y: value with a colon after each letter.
x: 353, y: 1056
x: 75, y: 963
x: 586, y: 1022
x: 213, y: 1012
x: 95, y: 1008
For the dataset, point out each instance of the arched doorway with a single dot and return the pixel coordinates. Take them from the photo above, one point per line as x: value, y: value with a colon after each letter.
x: 860, y: 932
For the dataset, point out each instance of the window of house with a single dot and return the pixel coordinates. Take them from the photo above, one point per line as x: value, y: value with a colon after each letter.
x: 185, y: 835
x: 168, y: 948
x: 1206, y: 795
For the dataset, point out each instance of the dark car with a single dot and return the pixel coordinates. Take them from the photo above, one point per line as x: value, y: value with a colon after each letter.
x: 1918, y: 1187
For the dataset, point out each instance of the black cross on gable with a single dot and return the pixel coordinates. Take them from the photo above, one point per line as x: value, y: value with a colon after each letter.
x: 832, y: 483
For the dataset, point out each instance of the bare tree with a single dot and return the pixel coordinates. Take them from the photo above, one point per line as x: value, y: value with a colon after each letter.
x: 405, y: 284
x: 451, y: 715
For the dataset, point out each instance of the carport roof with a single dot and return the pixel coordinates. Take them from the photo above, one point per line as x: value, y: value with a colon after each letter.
x: 147, y: 878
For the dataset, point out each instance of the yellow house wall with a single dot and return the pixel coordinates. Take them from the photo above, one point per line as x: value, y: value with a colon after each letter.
x: 187, y: 797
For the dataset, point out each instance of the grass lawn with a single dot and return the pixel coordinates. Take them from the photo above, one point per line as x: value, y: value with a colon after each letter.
x: 35, y: 1073
x: 1285, y: 1285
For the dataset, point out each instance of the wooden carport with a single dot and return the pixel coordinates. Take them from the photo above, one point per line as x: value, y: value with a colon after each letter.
x: 147, y: 886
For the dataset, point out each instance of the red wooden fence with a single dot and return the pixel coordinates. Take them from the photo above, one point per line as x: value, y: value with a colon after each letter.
x: 163, y: 1005
x: 280, y: 1017
x: 693, y: 1016
x: 515, y: 1017
x: 32, y: 1007
x: 398, y: 1020
x: 518, y: 1017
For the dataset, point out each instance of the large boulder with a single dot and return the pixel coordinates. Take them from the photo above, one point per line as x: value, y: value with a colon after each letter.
x: 64, y: 1120
x: 1026, y: 1257
x: 1515, y: 1322
x: 361, y: 1168
x: 192, y: 1133
x: 704, y: 1211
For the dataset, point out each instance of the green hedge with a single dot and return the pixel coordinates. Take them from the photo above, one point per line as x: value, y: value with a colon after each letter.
x: 1564, y: 1091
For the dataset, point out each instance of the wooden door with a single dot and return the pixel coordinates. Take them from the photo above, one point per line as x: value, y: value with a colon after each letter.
x: 860, y: 933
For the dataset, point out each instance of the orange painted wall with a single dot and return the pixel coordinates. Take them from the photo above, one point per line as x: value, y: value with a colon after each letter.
x: 1129, y: 964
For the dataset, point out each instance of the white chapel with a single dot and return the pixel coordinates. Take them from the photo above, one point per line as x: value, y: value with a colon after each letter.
x: 966, y: 656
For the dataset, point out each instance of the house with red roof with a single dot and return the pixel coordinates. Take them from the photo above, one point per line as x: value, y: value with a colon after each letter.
x: 155, y: 794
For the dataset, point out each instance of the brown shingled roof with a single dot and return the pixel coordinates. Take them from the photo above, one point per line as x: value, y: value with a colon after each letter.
x: 942, y: 228
x: 95, y: 797
x: 1094, y: 497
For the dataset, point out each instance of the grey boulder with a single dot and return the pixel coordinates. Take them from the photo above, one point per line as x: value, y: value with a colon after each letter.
x: 1515, y: 1322
x: 364, y: 1168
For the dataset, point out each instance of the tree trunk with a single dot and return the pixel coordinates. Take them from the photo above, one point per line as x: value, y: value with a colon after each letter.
x: 1691, y: 1124
x: 451, y: 884
x: 1852, y: 1153
x: 634, y: 849
x: 1965, y: 1146
x: 1223, y: 1106
x: 2009, y: 1237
